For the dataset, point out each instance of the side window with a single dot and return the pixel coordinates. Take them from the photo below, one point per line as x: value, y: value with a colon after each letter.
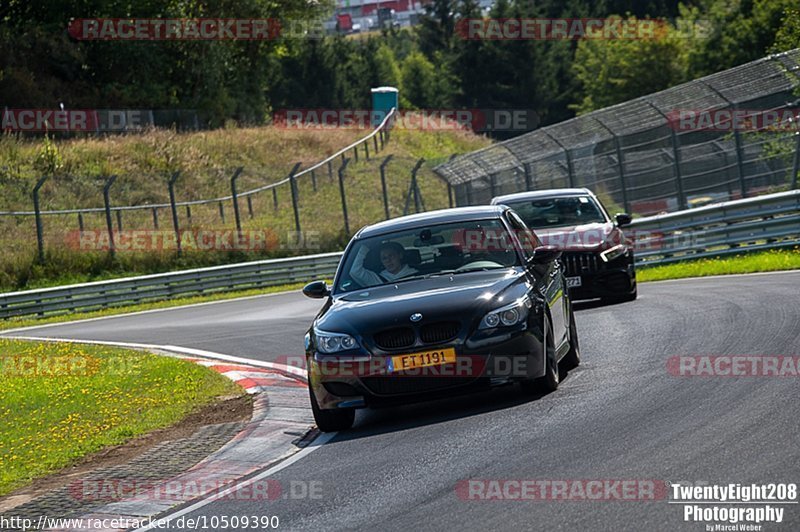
x: 526, y: 237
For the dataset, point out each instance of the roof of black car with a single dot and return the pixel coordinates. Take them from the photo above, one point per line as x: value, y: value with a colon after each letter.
x: 548, y: 193
x: 426, y: 218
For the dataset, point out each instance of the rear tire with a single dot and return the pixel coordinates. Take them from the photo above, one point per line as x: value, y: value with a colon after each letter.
x: 573, y: 357
x: 331, y: 420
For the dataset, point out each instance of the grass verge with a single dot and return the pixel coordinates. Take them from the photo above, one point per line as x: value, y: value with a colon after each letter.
x: 766, y: 261
x: 206, y: 161
x: 153, y: 305
x: 61, y: 402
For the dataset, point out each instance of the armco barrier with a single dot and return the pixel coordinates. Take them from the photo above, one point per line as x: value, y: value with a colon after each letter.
x: 103, y: 294
x: 763, y: 222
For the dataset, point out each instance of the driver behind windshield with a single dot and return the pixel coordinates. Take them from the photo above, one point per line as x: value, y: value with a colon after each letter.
x: 393, y: 261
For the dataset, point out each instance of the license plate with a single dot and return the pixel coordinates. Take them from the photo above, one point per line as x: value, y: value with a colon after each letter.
x: 573, y: 282
x: 421, y: 360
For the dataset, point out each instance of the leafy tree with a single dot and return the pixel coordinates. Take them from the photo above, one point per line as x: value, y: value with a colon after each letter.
x: 613, y: 71
x: 468, y: 61
x: 436, y: 27
x: 387, y: 69
x: 738, y: 32
x: 418, y: 80
x: 788, y: 35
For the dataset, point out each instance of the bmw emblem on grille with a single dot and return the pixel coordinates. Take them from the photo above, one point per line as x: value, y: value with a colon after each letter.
x: 416, y: 317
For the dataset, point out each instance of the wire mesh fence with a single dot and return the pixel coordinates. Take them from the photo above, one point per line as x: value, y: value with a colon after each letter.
x: 211, y: 215
x: 729, y: 135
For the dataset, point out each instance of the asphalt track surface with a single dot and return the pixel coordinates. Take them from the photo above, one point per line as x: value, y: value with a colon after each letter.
x: 621, y: 415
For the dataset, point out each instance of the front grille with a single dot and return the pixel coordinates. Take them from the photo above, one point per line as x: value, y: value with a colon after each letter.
x: 580, y: 263
x: 434, y: 333
x: 395, y: 338
x: 400, y: 384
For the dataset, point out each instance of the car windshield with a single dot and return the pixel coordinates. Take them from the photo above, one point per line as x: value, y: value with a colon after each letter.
x: 452, y: 248
x: 559, y: 212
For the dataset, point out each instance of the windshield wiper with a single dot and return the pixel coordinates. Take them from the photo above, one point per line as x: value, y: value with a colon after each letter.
x: 482, y: 269
x: 421, y: 276
x: 443, y: 272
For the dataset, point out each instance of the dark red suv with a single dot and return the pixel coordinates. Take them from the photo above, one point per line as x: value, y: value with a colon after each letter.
x: 597, y: 258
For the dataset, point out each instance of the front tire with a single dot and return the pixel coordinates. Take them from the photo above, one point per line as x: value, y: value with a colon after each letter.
x: 573, y: 357
x: 549, y: 382
x: 331, y: 420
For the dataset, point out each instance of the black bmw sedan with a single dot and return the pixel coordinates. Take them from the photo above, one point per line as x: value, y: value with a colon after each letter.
x: 436, y: 304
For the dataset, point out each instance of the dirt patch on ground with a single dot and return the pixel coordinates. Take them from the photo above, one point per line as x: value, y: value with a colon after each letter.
x: 224, y: 410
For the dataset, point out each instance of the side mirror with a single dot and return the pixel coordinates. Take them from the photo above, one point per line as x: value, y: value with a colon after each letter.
x: 316, y: 290
x: 545, y: 254
x: 623, y: 219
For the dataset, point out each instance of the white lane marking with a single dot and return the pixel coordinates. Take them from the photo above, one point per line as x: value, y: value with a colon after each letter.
x: 139, y: 312
x: 721, y: 276
x: 316, y: 444
x: 299, y: 372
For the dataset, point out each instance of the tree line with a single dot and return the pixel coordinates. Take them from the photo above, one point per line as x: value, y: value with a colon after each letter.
x: 42, y: 66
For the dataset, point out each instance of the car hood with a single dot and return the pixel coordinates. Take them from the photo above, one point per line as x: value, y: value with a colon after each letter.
x: 438, y: 298
x: 586, y: 237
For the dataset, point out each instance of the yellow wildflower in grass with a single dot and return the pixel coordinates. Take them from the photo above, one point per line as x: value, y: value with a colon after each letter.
x: 47, y: 422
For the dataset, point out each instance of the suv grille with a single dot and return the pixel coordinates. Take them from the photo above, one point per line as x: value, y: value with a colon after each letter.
x: 579, y: 263
x: 395, y: 338
x: 434, y: 333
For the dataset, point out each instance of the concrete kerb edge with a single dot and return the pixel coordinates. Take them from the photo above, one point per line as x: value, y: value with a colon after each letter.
x: 258, y: 419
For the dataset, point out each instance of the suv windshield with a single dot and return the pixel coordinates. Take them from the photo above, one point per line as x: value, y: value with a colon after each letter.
x: 453, y: 248
x: 559, y: 212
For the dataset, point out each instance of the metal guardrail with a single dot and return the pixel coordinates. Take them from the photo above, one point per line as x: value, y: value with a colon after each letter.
x: 131, y: 290
x: 764, y: 222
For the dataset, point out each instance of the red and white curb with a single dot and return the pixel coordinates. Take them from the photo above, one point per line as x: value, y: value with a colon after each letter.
x: 250, y: 373
x: 268, y: 443
x: 252, y: 379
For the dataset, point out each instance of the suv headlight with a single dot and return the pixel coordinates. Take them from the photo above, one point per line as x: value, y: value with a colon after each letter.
x: 506, y: 316
x: 328, y: 342
x: 614, y: 253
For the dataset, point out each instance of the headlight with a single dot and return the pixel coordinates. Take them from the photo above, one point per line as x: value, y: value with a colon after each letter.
x: 328, y: 342
x: 614, y: 253
x: 506, y: 316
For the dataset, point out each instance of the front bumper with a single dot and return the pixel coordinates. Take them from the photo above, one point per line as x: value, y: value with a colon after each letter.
x: 599, y: 279
x: 361, y: 380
